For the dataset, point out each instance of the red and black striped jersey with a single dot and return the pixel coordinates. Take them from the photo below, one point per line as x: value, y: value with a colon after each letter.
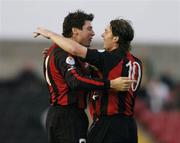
x: 68, y: 78
x: 112, y: 65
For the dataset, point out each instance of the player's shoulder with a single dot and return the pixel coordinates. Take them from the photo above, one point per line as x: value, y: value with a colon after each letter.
x: 59, y: 52
x: 137, y: 59
x: 62, y: 56
x: 131, y: 56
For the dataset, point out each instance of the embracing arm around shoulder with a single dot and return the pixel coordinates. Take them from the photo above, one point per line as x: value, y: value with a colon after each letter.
x: 66, y: 44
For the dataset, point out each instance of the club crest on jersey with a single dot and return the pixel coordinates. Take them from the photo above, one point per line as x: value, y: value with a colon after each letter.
x: 70, y: 60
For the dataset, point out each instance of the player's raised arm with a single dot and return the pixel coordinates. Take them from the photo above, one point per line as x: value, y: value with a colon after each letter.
x: 67, y: 44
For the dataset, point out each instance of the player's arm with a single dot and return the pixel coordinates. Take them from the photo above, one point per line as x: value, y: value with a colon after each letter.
x: 67, y: 44
x: 92, y: 56
x: 69, y: 69
x: 77, y: 81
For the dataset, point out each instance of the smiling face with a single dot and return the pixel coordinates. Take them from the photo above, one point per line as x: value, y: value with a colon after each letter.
x: 77, y: 26
x: 110, y: 41
x: 84, y: 35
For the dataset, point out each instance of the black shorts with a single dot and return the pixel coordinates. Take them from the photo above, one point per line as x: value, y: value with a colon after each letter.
x: 66, y: 124
x: 113, y: 129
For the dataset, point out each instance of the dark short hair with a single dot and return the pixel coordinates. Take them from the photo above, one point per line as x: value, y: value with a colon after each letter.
x: 75, y: 19
x: 123, y: 29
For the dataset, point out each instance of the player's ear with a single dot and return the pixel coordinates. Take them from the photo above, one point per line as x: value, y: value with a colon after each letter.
x: 115, y: 39
x: 74, y: 31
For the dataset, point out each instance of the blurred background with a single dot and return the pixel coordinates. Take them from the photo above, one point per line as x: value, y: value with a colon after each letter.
x: 23, y: 92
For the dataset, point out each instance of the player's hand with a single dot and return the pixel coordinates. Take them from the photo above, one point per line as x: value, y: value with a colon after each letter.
x: 121, y: 83
x: 35, y: 34
x: 44, y: 52
x: 43, y: 32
